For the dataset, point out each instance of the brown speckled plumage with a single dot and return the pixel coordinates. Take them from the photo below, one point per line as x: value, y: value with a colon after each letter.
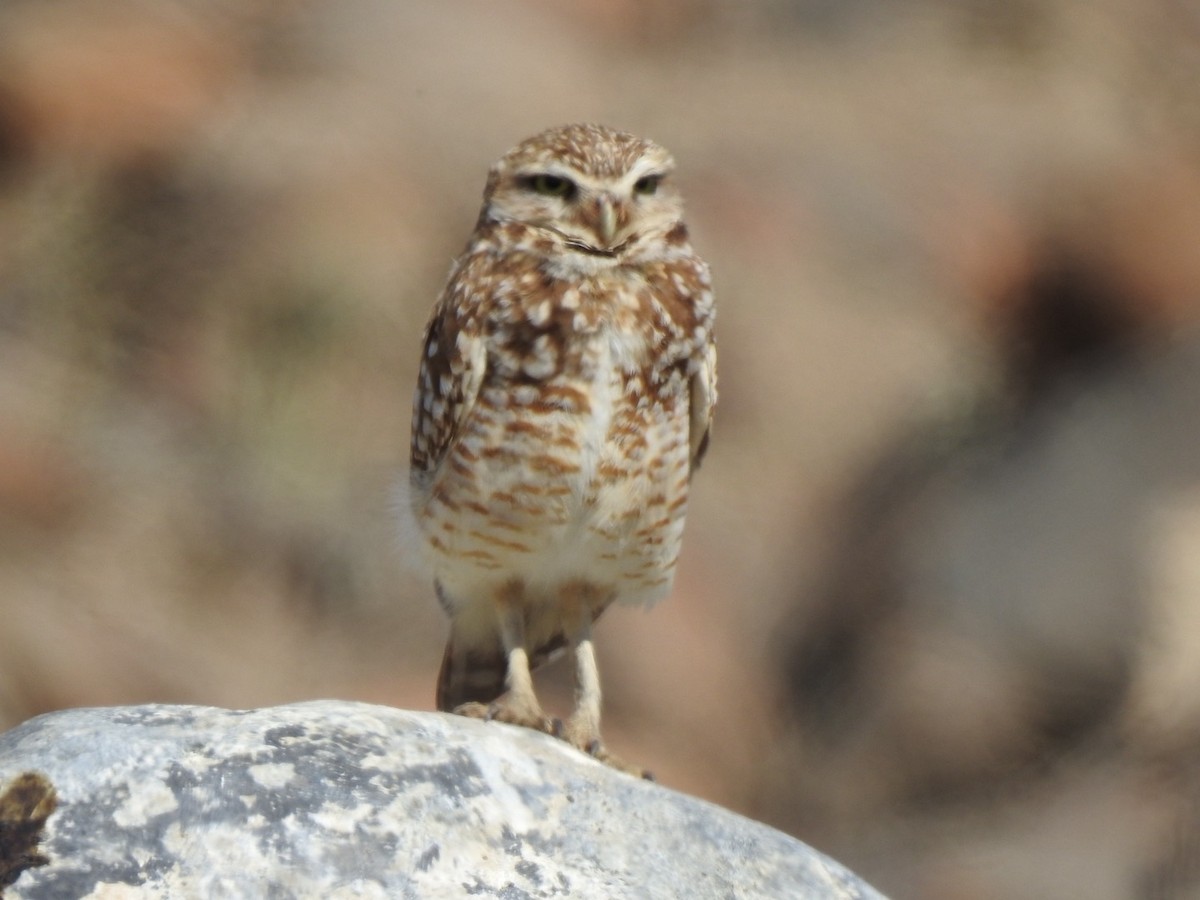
x: 565, y: 394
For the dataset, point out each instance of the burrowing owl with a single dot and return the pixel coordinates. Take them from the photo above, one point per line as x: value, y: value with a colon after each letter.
x: 566, y: 389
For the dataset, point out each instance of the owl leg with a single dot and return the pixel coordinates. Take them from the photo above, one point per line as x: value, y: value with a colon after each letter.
x: 582, y: 729
x: 519, y: 704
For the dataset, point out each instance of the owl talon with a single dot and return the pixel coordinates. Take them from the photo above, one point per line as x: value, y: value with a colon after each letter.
x: 597, y: 751
x: 585, y: 740
x: 513, y: 712
x: 474, y: 711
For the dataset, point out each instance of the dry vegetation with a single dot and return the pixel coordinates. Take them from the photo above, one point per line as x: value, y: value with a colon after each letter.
x: 939, y: 607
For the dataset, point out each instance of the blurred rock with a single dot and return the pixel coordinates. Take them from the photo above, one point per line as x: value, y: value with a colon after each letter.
x: 40, y: 485
x: 337, y: 799
x: 1008, y: 614
x: 115, y: 81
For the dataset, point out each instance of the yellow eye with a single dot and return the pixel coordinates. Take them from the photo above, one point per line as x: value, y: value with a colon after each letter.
x: 647, y: 184
x: 551, y: 185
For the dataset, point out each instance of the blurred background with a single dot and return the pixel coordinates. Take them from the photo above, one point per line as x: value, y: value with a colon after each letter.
x: 938, y: 613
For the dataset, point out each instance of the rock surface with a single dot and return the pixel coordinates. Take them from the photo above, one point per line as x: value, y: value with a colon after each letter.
x: 333, y: 799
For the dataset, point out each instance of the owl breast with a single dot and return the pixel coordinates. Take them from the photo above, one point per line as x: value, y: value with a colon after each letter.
x: 572, y: 466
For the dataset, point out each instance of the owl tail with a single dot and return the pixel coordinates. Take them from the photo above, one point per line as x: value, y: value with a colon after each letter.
x: 475, y: 669
x: 471, y: 672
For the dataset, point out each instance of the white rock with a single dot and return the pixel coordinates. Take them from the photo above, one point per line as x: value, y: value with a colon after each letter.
x: 347, y: 800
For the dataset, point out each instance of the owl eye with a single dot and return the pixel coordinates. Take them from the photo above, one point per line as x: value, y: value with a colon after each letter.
x: 551, y: 185
x: 647, y: 184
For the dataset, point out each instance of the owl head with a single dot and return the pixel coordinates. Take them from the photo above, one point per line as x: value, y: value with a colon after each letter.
x: 597, y: 192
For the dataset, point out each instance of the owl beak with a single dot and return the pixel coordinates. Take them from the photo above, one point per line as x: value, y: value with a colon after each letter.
x: 607, y: 220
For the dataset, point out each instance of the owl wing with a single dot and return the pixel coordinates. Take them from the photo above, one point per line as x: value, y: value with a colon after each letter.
x: 453, y: 362
x: 703, y: 394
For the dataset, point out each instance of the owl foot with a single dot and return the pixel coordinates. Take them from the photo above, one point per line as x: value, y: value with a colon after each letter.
x: 599, y: 752
x: 587, y: 741
x: 514, y: 710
